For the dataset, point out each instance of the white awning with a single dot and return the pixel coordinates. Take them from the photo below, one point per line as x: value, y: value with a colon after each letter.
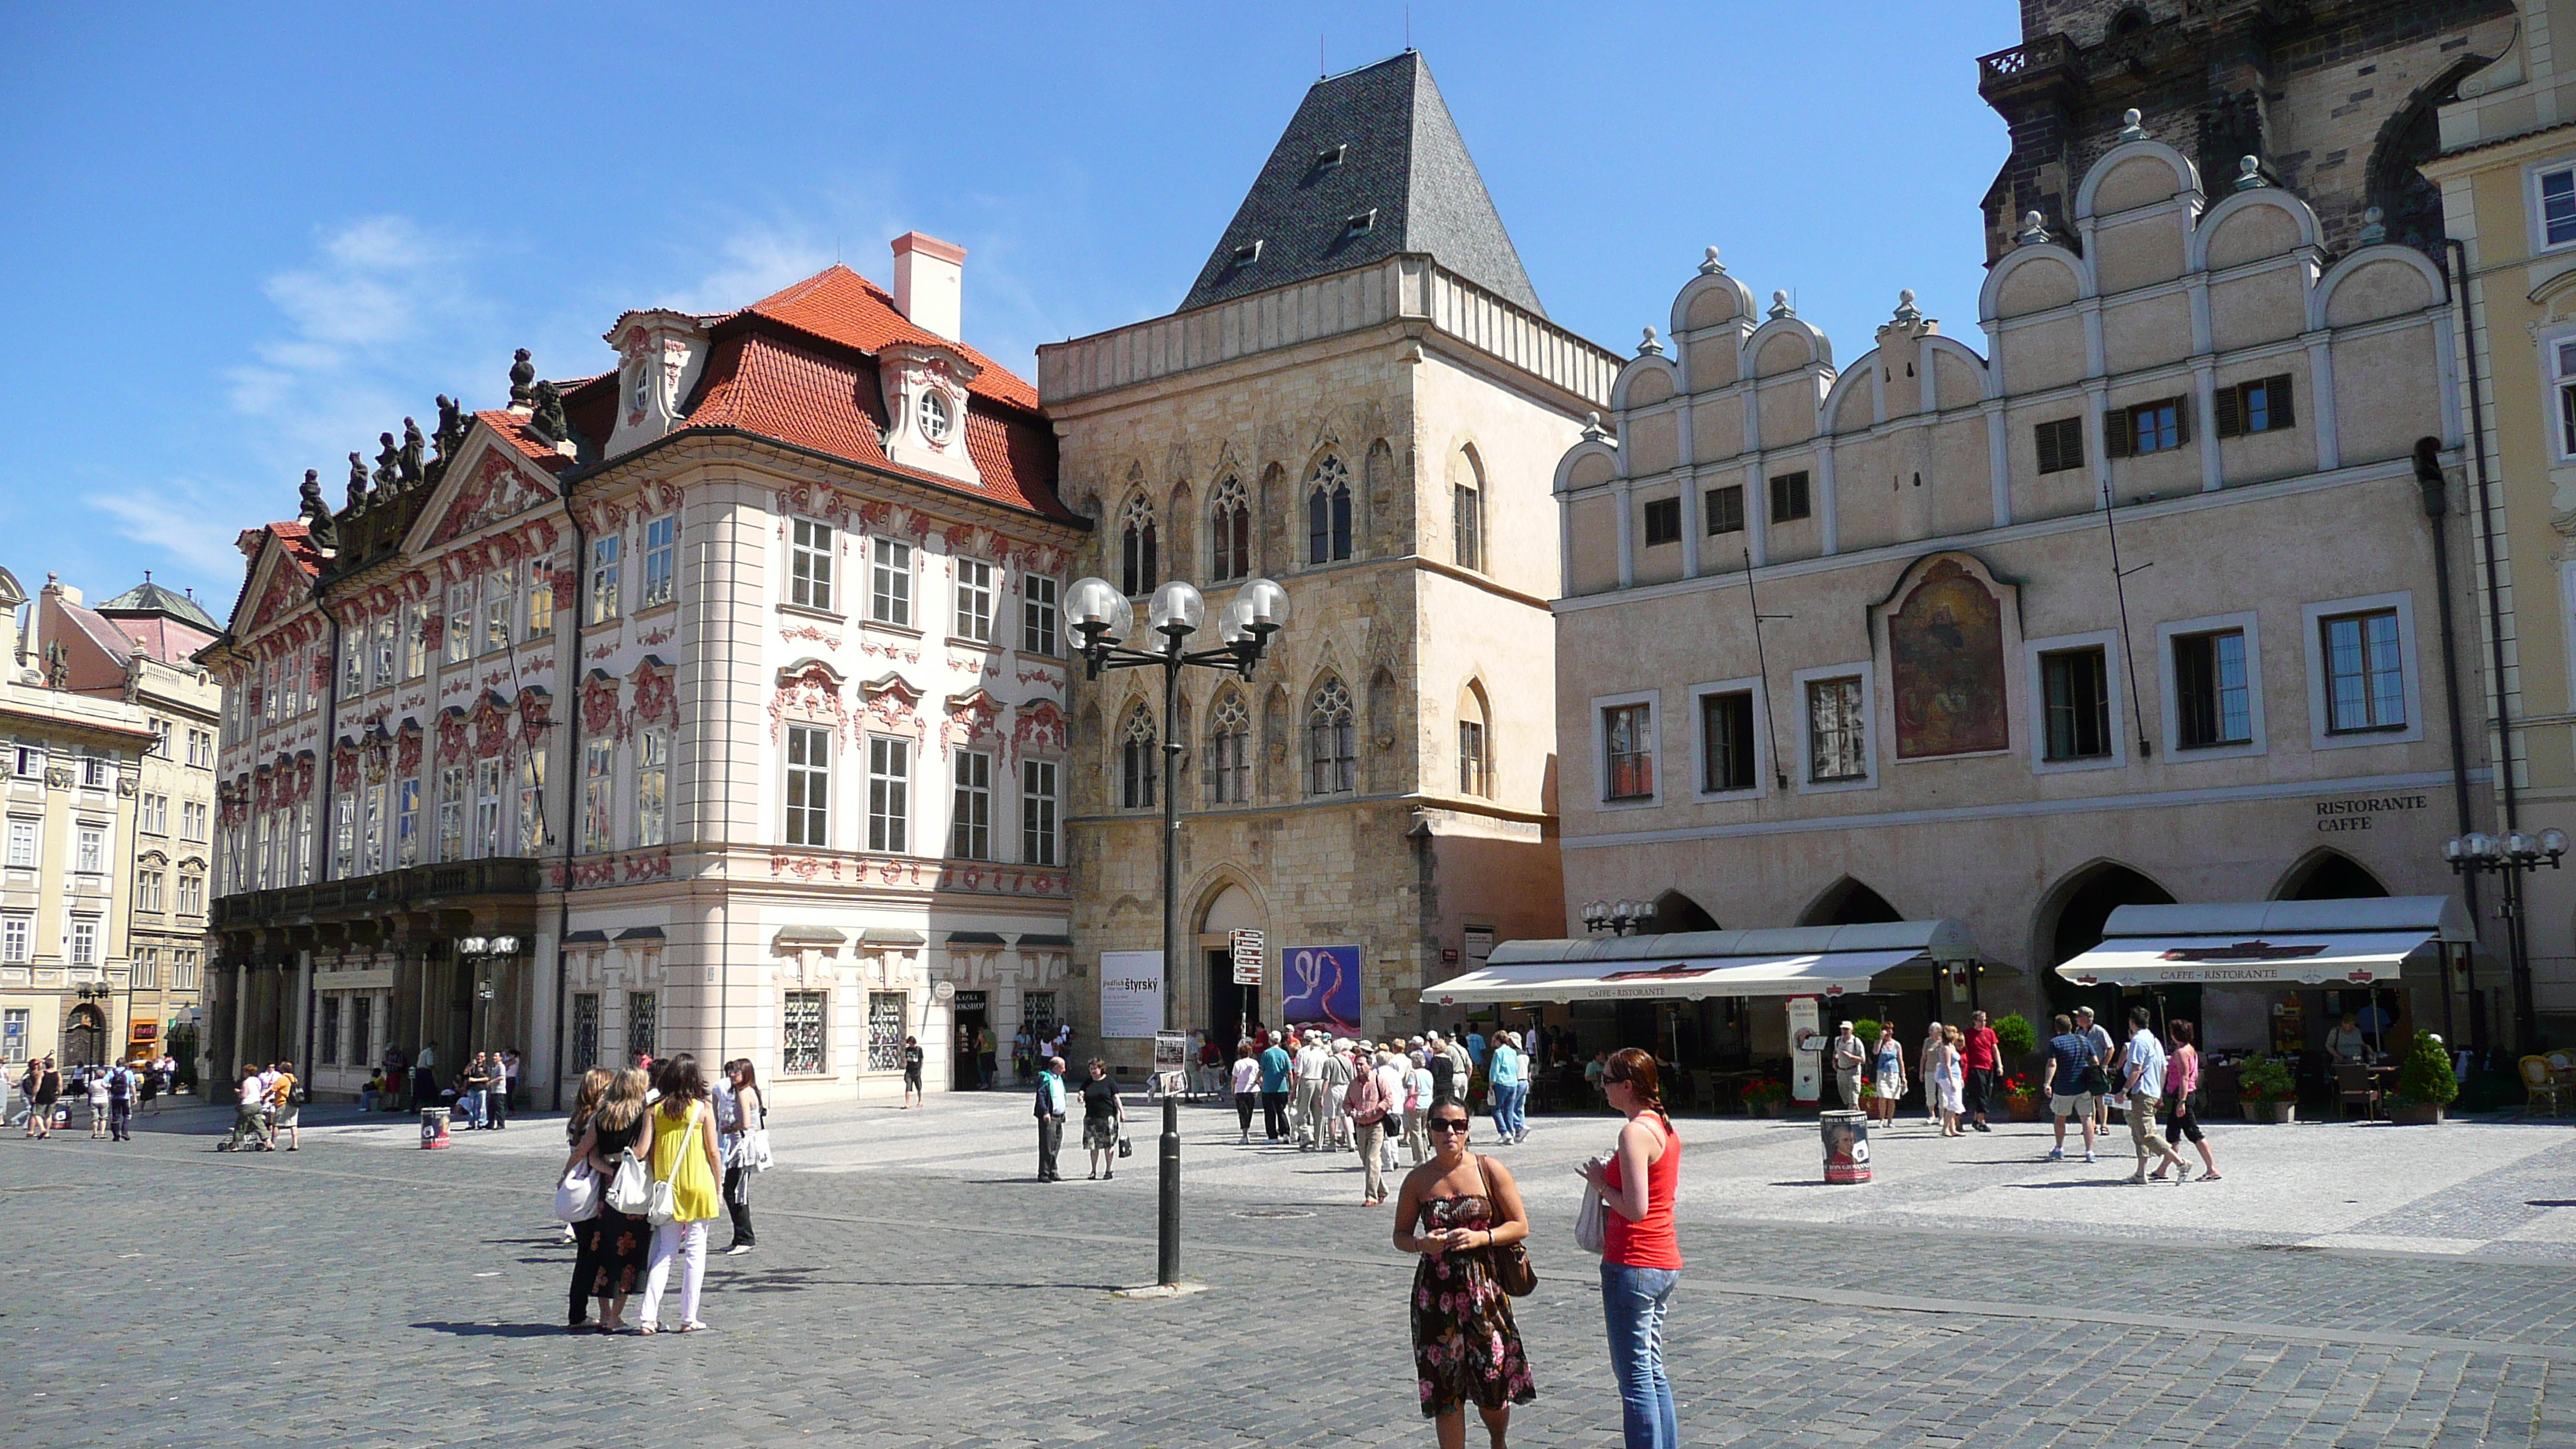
x: 2257, y: 943
x: 1687, y: 979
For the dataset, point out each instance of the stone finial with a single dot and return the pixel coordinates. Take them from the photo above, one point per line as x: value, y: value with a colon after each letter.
x: 1906, y: 311
x: 2034, y: 229
x: 1780, y: 305
x: 2130, y: 130
x: 1648, y: 346
x: 2249, y: 174
x: 522, y: 373
x: 1592, y: 430
x: 1709, y: 266
x: 2374, y: 226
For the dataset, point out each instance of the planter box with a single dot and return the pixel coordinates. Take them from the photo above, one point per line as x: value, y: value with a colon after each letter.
x: 2024, y: 1109
x: 2404, y: 1115
x: 1772, y: 1108
x: 2276, y: 1112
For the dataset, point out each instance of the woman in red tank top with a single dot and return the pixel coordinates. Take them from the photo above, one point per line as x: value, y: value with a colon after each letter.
x: 1641, y: 1260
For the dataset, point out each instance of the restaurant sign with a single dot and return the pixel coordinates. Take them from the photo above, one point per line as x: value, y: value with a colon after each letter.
x: 2361, y: 812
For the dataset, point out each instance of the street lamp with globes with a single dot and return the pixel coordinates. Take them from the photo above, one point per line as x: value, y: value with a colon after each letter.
x: 1103, y: 621
x: 2511, y: 856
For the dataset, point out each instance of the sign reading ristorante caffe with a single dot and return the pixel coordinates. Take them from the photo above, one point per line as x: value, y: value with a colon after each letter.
x: 2360, y: 812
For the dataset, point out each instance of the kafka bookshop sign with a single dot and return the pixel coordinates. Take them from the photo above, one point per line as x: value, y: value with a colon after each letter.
x: 2362, y: 812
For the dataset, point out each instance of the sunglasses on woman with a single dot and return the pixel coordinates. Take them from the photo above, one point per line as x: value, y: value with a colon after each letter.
x: 1448, y: 1124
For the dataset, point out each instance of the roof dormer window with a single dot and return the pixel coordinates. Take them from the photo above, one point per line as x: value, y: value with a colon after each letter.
x: 1362, y: 221
x: 1248, y: 253
x: 1332, y: 156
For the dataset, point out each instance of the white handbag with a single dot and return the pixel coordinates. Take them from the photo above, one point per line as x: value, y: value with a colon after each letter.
x: 754, y: 1151
x: 663, y: 1206
x: 631, y: 1190
x: 577, y: 1196
x: 1589, y: 1234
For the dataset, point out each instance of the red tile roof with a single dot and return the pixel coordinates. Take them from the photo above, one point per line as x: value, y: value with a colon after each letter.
x: 299, y: 546
x: 838, y: 305
x: 513, y: 430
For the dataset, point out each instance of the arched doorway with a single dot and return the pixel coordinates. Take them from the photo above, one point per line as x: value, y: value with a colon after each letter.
x: 1677, y: 912
x: 1849, y: 903
x: 2329, y: 875
x: 84, y: 1039
x: 1230, y: 1006
x: 2084, y: 906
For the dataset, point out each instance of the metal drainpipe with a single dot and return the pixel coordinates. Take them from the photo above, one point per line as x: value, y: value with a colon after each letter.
x: 572, y: 754
x: 2456, y: 272
x: 2428, y: 477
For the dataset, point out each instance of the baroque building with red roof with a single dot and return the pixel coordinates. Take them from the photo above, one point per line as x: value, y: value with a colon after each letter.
x: 712, y: 703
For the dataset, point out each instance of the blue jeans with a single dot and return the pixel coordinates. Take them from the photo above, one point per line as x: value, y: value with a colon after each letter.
x: 1508, y: 1101
x: 474, y: 1109
x: 1633, y: 1301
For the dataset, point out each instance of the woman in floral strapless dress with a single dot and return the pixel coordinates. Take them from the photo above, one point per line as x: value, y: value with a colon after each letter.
x: 1454, y: 1210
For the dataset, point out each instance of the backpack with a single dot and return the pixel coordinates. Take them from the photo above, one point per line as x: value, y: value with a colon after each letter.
x: 120, y: 1084
x: 1365, y: 1101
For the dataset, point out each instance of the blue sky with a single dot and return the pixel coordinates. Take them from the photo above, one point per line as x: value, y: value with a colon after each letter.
x: 239, y: 242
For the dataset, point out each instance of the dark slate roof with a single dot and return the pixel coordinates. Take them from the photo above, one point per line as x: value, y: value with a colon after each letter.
x: 148, y: 597
x: 1404, y: 160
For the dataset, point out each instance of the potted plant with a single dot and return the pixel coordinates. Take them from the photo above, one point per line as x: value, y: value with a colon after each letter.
x: 1765, y: 1097
x: 2268, y: 1090
x: 2424, y: 1084
x: 2015, y: 1040
x: 2022, y: 1095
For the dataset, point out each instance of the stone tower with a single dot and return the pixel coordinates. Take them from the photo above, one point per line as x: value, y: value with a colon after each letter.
x: 1360, y: 397
x: 2335, y: 98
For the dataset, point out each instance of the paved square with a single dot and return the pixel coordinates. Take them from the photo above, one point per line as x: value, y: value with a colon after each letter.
x: 914, y: 1287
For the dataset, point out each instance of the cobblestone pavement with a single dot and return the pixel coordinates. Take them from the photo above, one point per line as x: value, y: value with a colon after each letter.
x: 913, y: 1287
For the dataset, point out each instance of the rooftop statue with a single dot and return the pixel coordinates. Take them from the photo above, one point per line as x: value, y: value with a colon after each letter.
x: 522, y: 373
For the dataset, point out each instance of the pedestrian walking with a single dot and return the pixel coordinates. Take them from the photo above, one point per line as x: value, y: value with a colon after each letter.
x: 1309, y: 1094
x: 1421, y: 1089
x: 2142, y: 1072
x: 1456, y: 1210
x: 397, y: 1077
x: 94, y: 1088
x: 1444, y: 1069
x: 250, y: 1118
x: 476, y: 1090
x: 1981, y: 1054
x: 121, y: 1087
x: 1050, y: 1115
x: 1103, y: 1120
x: 1247, y: 1088
x: 1507, y: 1088
x: 1933, y: 1039
x: 613, y: 1246
x: 1338, y: 1072
x: 1364, y: 1104
x: 1941, y: 1080
x: 2182, y: 1110
x: 746, y: 1111
x: 1641, y: 1260
x: 2073, y: 1081
x: 585, y: 1105
x: 285, y: 1106
x: 1393, y: 1085
x: 1275, y: 1069
x: 986, y: 1064
x: 504, y: 1068
x: 424, y: 1075
x: 2108, y: 1055
x: 1848, y: 1056
x: 148, y: 1088
x: 912, y: 1058
x: 684, y: 1155
x: 1887, y: 1075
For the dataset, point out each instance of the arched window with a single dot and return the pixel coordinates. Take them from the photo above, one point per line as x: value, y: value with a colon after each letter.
x: 1467, y: 510
x: 1229, y: 777
x: 1475, y: 757
x: 1137, y: 566
x: 1229, y: 532
x: 1328, y: 512
x: 1139, y: 763
x: 1332, y: 754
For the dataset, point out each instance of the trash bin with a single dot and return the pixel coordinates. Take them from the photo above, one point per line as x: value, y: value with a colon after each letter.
x: 433, y: 1127
x: 1846, y: 1145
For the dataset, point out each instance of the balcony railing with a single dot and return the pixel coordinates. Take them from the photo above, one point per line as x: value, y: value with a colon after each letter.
x: 2027, y: 61
x: 374, y: 894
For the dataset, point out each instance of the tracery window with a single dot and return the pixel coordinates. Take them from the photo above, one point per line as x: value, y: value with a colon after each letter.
x: 1328, y: 512
x: 1229, y: 752
x: 1138, y: 761
x: 1332, y: 753
x: 1139, y: 570
x: 1229, y: 532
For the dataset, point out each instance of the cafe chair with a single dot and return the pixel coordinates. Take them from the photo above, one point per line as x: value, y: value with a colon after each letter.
x: 2353, y: 1083
x: 2538, y: 1085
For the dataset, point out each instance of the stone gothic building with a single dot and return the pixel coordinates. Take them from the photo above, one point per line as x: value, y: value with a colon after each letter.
x: 1360, y: 397
x: 712, y: 703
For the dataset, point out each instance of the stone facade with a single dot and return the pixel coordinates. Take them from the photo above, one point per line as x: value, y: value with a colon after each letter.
x: 2502, y: 142
x: 1861, y: 642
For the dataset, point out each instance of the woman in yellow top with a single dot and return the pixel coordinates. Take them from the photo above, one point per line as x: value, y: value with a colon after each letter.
x: 684, y: 1155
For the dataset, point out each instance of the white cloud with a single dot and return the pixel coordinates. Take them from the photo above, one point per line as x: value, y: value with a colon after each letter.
x: 754, y: 263
x: 160, y: 519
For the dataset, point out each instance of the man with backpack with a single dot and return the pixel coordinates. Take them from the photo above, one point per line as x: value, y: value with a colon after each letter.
x: 120, y: 1103
x: 1365, y: 1102
x: 2074, y: 1081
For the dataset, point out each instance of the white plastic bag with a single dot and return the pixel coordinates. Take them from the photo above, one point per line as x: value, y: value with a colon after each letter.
x: 577, y: 1196
x: 1589, y: 1233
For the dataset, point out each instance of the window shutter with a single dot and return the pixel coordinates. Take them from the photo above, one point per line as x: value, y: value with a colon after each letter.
x: 2116, y: 437
x: 2231, y: 412
x: 2046, y: 436
x: 2182, y: 418
x: 2279, y: 401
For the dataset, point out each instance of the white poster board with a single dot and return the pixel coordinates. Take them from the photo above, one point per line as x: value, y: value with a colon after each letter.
x: 1806, y: 1049
x: 1248, y: 957
x: 1131, y: 994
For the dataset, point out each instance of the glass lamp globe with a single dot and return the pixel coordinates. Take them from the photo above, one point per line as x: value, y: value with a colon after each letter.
x: 1234, y: 624
x: 1097, y: 601
x: 1264, y: 601
x: 1177, y: 608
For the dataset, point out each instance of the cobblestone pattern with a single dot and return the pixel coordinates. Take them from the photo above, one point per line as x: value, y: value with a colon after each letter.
x: 358, y: 1296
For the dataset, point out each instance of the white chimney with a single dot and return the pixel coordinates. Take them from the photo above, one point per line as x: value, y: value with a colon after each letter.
x: 929, y: 278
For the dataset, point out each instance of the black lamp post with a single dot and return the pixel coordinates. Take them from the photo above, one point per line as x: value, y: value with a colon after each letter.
x: 1101, y: 619
x: 2510, y: 856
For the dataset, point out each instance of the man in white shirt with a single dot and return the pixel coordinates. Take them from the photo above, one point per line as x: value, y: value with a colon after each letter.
x: 1310, y: 1094
x: 250, y: 1120
x: 2143, y: 1074
x: 1338, y: 1072
x: 1391, y: 1084
x: 2109, y: 1056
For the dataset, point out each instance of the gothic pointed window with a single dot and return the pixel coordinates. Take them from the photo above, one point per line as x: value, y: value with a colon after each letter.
x: 1229, y: 778
x: 1328, y: 512
x: 1229, y: 532
x: 1139, y: 762
x: 1137, y: 564
x: 1332, y: 754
